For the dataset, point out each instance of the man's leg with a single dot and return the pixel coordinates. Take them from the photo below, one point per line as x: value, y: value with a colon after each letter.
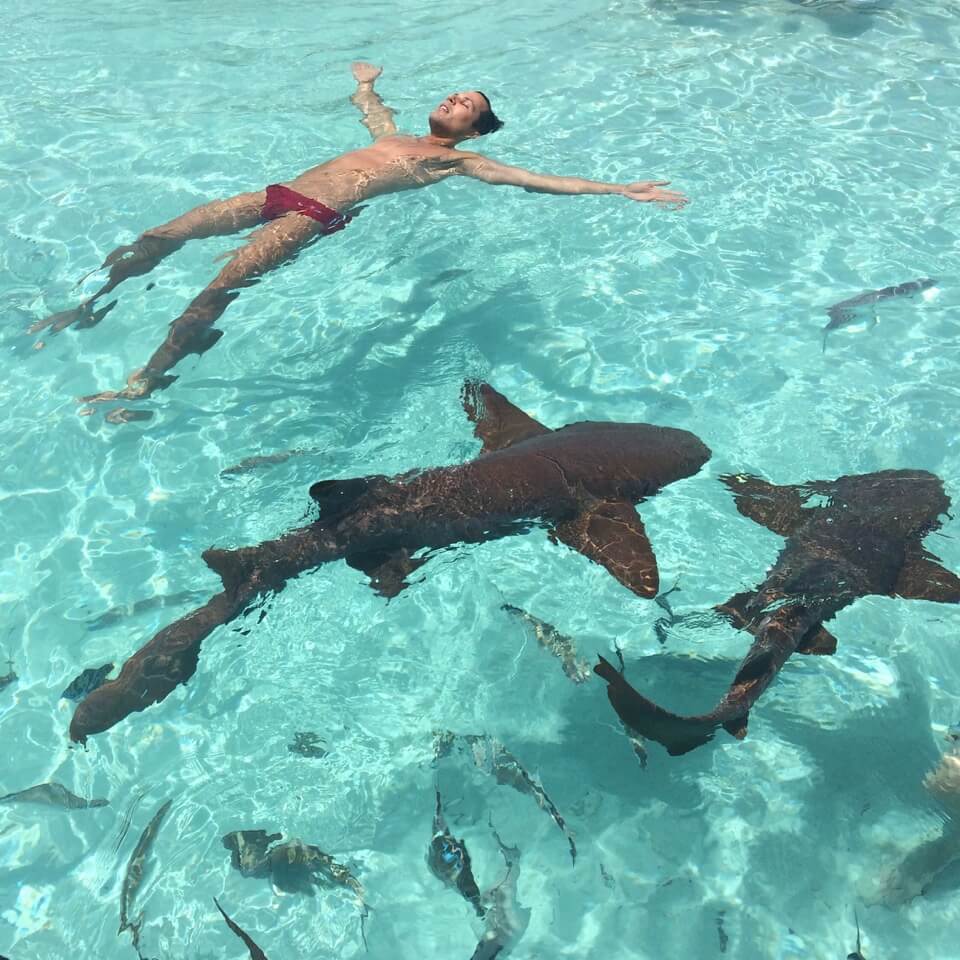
x: 217, y: 218
x: 271, y: 245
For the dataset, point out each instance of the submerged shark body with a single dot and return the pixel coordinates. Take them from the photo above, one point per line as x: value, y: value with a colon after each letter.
x: 865, y: 538
x: 581, y: 481
x: 847, y: 312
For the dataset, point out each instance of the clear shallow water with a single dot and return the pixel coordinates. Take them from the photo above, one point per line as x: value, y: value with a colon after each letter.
x: 818, y: 146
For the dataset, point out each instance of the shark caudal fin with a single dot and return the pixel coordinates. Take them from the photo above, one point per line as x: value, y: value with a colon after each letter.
x: 678, y: 734
x: 499, y: 424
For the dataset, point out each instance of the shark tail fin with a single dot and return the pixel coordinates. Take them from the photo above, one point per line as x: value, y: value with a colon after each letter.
x: 678, y: 734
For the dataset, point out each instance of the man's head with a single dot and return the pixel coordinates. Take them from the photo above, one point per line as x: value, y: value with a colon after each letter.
x: 463, y: 116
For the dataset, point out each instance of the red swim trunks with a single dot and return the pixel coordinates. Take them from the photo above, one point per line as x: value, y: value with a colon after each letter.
x: 281, y: 200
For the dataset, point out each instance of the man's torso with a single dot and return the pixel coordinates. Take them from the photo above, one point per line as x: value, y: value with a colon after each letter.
x: 389, y: 165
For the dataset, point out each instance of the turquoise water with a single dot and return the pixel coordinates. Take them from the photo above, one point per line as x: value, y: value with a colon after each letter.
x: 818, y: 144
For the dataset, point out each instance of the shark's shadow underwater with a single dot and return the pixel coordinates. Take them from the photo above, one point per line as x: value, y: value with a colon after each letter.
x: 865, y: 537
x: 581, y: 481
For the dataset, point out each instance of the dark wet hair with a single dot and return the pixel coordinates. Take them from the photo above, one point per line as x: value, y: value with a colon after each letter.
x: 488, y: 121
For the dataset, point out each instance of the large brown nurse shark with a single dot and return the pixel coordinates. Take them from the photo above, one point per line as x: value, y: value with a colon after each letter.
x: 863, y: 536
x: 581, y: 480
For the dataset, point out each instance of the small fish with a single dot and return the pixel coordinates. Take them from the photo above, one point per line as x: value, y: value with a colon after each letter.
x: 255, y: 952
x: 87, y: 681
x: 491, y: 756
x: 293, y: 866
x: 265, y: 460
x: 8, y: 678
x: 126, y: 610
x: 856, y: 955
x: 506, y: 921
x: 449, y: 861
x: 844, y: 313
x: 125, y: 823
x: 52, y: 795
x: 307, y: 744
x: 551, y: 639
x: 721, y: 933
x: 133, y: 878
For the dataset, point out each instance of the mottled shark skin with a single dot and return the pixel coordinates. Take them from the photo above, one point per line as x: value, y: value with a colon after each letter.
x: 864, y: 538
x: 255, y: 952
x: 136, y: 867
x: 53, y: 795
x: 581, y: 481
x: 850, y: 311
x: 449, y: 861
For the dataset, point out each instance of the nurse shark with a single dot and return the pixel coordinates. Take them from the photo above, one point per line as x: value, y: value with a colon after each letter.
x: 580, y: 481
x: 862, y: 536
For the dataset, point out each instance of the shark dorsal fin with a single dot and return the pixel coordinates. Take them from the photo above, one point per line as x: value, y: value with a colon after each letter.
x: 499, y: 424
x: 779, y: 509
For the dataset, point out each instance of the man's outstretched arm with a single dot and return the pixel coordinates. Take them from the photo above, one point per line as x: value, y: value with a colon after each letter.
x: 490, y: 171
x: 377, y: 117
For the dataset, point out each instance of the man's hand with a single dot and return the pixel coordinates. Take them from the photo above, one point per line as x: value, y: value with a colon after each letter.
x: 648, y: 191
x: 365, y: 72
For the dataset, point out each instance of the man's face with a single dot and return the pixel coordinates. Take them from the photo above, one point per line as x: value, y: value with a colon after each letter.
x: 458, y: 113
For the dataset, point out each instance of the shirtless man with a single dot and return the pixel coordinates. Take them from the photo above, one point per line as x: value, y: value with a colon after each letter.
x: 290, y: 216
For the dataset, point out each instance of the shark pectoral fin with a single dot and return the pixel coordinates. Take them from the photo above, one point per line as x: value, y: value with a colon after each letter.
x: 678, y: 734
x: 388, y: 571
x: 737, y: 727
x: 611, y: 533
x: 820, y: 642
x: 923, y: 578
x: 779, y: 509
x: 499, y: 423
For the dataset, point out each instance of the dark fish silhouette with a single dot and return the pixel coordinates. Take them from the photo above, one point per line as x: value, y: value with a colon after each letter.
x: 264, y: 460
x: 449, y: 861
x: 136, y: 867
x: 866, y: 538
x: 126, y: 610
x: 563, y: 648
x: 52, y: 795
x: 307, y: 744
x: 248, y: 851
x: 491, y: 756
x: 9, y: 677
x: 255, y: 952
x: 846, y: 312
x: 856, y: 955
x: 581, y: 480
x: 86, y: 682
